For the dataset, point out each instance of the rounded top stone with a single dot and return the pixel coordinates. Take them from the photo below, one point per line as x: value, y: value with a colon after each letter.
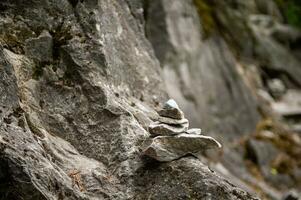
x: 171, y: 104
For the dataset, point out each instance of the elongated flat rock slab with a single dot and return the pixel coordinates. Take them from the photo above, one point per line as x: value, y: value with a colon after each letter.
x: 167, y: 120
x: 168, y: 148
x: 158, y: 128
x: 196, y: 131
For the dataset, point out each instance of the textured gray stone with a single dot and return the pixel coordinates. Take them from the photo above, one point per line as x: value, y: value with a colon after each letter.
x: 168, y: 148
x: 70, y: 120
x: 195, y: 176
x: 170, y: 104
x: 171, y: 110
x: 157, y: 128
x: 261, y: 152
x: 271, y: 52
x: 172, y: 121
x: 40, y: 48
x: 196, y: 131
x: 276, y: 87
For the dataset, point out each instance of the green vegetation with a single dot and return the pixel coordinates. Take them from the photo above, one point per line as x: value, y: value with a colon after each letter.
x: 205, y: 12
x: 291, y: 10
x: 37, y: 72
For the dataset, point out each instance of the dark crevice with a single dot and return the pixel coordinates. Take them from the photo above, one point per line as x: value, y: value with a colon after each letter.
x: 60, y: 36
x: 296, y: 45
x: 10, y: 188
x: 229, y: 87
x: 145, y: 5
x: 250, y: 154
x: 73, y: 3
x: 6, y: 185
x: 71, y: 76
x: 270, y: 73
x: 293, y: 118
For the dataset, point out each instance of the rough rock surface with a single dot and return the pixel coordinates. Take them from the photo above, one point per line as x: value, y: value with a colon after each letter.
x: 40, y: 49
x: 171, y: 121
x: 72, y: 118
x: 168, y: 148
x: 158, y: 128
x: 197, y: 131
x: 171, y: 110
x: 194, y: 180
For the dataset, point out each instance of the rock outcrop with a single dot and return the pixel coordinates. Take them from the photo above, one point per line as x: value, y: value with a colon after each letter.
x: 79, y: 82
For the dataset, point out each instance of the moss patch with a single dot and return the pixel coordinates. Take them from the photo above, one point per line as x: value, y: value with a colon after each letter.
x: 288, y: 142
x: 205, y: 11
x: 291, y: 10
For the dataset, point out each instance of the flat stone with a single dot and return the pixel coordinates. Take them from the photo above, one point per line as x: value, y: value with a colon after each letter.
x: 170, y: 104
x: 196, y: 131
x: 171, y: 113
x: 171, y: 109
x: 167, y: 120
x: 168, y: 148
x: 157, y: 128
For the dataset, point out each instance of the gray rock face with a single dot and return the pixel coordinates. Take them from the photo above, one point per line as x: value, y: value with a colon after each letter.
x: 196, y: 177
x: 40, y: 48
x: 238, y: 39
x: 72, y: 115
x: 168, y: 148
x: 264, y: 154
x: 261, y: 152
x: 201, y: 75
x: 273, y: 53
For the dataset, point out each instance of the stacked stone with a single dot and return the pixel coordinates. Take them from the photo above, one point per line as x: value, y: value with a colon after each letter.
x: 171, y: 138
x: 170, y: 122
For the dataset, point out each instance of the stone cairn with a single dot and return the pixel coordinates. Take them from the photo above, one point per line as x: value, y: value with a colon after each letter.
x: 170, y: 137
